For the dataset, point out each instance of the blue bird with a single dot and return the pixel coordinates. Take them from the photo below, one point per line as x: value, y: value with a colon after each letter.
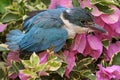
x: 51, y: 28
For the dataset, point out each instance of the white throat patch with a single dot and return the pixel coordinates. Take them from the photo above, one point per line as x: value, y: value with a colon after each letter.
x: 72, y: 29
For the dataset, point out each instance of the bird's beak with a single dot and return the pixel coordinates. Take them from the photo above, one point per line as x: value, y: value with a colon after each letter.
x: 97, y: 27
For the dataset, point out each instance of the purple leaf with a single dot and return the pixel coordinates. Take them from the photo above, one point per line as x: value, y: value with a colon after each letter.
x: 12, y: 56
x: 43, y: 57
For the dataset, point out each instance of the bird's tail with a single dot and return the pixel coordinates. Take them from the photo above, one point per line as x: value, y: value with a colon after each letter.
x: 13, y: 39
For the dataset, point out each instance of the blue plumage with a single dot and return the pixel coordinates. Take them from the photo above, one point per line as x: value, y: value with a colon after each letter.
x: 42, y: 31
x: 14, y: 38
x: 41, y: 39
x: 46, y: 19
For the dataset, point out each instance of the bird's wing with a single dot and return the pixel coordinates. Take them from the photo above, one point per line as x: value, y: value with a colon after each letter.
x: 45, y: 19
x: 38, y: 39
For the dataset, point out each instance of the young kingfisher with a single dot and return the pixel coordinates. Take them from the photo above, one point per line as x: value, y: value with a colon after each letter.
x: 51, y: 28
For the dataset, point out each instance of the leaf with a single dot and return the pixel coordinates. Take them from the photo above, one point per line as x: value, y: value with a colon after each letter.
x: 61, y: 70
x: 46, y: 2
x: 16, y: 66
x: 104, y: 2
x: 106, y: 43
x: 75, y: 3
x: 104, y: 8
x: 2, y: 74
x: 3, y: 4
x: 52, y: 57
x: 53, y: 65
x: 27, y: 63
x: 40, y: 67
x: 3, y: 49
x: 103, y: 5
x: 34, y: 60
x: 115, y: 59
x: 88, y: 74
x: 29, y: 72
x: 8, y: 17
x: 75, y: 75
x: 84, y: 62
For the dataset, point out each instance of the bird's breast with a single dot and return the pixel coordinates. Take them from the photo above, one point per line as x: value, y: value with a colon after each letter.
x: 71, y: 32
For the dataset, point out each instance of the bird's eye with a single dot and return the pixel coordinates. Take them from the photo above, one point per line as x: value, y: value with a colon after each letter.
x: 83, y: 22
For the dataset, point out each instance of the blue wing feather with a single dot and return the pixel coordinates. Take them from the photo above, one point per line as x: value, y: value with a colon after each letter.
x: 41, y: 39
x: 45, y: 18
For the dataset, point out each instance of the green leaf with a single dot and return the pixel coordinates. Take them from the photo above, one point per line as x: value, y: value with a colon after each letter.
x: 2, y: 74
x: 3, y: 4
x: 115, y: 59
x: 88, y: 74
x: 104, y: 8
x: 75, y: 75
x: 75, y: 3
x: 95, y: 1
x: 34, y: 60
x: 33, y: 75
x: 106, y: 43
x: 29, y: 72
x: 53, y: 65
x: 3, y: 49
x: 16, y: 66
x: 46, y: 2
x: 104, y: 2
x: 61, y: 70
x: 27, y: 63
x: 41, y: 6
x: 8, y: 17
x: 103, y: 5
x: 52, y: 57
x: 84, y: 62
x: 40, y: 67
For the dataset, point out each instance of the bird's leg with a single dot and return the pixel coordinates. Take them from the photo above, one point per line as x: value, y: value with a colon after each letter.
x: 50, y: 51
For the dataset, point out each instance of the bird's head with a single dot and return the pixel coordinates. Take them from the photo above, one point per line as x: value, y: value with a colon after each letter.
x: 81, y: 18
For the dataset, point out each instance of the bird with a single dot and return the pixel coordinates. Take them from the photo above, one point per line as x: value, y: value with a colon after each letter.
x: 51, y: 28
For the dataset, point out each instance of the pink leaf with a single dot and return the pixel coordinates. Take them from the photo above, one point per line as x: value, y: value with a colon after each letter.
x: 95, y: 47
x: 79, y: 43
x: 112, y: 18
x: 94, y: 42
x: 43, y: 73
x: 63, y: 3
x: 23, y: 76
x: 87, y: 3
x: 113, y: 48
x: 108, y: 73
x: 2, y: 27
x: 82, y: 43
x: 99, y: 21
x: 70, y: 60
